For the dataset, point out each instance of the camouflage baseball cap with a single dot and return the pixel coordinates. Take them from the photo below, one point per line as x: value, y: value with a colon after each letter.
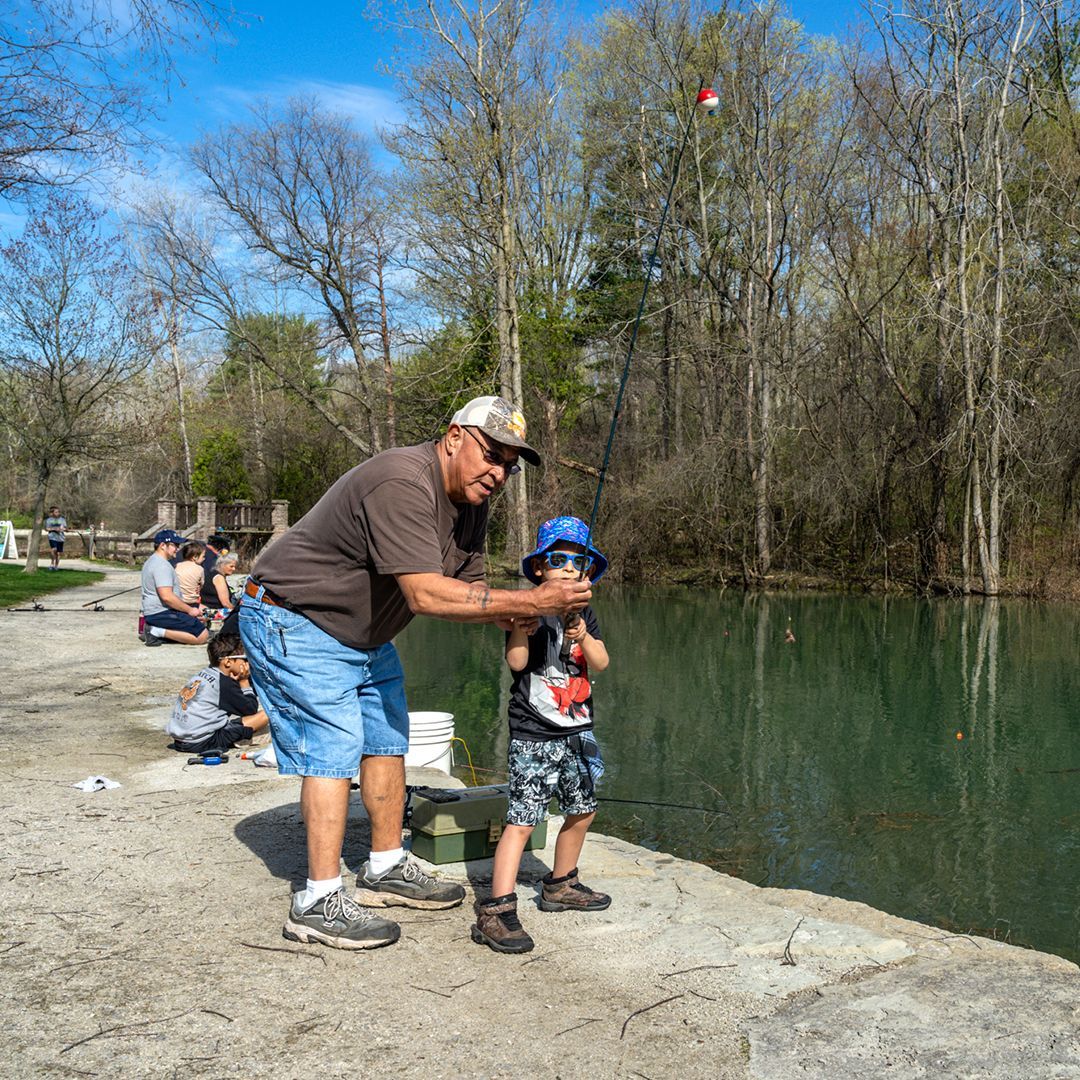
x: 496, y: 417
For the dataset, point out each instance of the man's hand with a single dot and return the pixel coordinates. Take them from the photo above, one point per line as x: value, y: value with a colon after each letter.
x: 562, y: 597
x: 528, y: 624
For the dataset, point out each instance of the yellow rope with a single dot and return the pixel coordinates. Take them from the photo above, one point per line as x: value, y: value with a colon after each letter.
x: 475, y: 782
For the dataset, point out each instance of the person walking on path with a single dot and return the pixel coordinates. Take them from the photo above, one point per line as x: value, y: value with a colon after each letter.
x: 552, y: 747
x: 399, y: 535
x: 55, y: 527
x: 167, y: 617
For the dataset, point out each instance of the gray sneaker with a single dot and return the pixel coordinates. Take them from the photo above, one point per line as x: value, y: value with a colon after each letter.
x: 406, y: 885
x: 338, y: 922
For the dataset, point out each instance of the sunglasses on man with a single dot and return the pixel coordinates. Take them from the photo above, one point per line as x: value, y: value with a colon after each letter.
x: 489, y: 455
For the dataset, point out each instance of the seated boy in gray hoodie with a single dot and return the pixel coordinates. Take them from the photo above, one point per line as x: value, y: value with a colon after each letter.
x: 217, y: 708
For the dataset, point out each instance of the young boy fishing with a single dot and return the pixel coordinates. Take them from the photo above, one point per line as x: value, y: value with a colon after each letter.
x: 552, y: 748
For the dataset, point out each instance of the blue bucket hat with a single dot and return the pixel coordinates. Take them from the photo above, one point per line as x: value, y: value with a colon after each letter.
x: 570, y: 529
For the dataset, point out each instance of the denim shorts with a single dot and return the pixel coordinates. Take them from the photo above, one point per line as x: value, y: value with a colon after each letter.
x: 540, y: 769
x: 328, y: 704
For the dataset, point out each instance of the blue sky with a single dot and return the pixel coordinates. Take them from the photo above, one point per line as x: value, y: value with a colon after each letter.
x: 330, y: 49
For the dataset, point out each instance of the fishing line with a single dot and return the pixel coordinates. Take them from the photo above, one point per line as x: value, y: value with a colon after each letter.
x: 707, y: 101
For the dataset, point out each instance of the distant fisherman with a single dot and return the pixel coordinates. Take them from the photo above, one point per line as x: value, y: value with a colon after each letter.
x: 399, y: 535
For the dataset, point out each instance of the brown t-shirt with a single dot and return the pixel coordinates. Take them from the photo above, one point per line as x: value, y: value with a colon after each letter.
x: 390, y: 515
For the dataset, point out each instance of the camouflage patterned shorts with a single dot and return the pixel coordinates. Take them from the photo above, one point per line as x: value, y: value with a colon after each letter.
x: 540, y: 769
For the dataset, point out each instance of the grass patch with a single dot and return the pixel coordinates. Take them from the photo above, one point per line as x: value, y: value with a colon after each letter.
x: 15, y: 586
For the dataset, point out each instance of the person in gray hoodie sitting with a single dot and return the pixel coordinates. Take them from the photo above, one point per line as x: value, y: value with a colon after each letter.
x: 217, y: 708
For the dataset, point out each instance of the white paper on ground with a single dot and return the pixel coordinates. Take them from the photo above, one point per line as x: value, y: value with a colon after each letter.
x: 95, y: 783
x: 266, y: 758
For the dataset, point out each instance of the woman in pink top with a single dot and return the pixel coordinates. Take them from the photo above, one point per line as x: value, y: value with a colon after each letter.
x: 189, y: 571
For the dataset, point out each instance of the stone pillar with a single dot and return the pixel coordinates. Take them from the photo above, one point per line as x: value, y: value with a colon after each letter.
x: 205, y: 518
x: 166, y: 513
x: 279, y: 516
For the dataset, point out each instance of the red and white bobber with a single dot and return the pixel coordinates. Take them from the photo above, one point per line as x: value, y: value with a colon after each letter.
x: 707, y: 101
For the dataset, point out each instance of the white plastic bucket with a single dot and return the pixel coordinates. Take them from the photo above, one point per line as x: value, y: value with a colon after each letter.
x: 430, y: 738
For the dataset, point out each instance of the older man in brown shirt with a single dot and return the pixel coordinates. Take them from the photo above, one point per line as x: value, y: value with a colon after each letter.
x: 399, y: 535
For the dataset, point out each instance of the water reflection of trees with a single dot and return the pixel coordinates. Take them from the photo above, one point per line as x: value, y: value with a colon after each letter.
x: 837, y: 755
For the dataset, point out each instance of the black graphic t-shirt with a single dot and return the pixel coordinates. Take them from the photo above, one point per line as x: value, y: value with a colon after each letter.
x: 550, y: 699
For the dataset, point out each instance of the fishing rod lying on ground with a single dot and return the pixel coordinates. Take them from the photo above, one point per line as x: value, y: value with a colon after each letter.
x: 84, y: 609
x: 100, y: 599
x: 707, y: 101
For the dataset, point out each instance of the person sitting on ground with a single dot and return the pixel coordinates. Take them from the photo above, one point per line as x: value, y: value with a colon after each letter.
x: 217, y: 708
x: 189, y: 571
x: 223, y: 595
x: 217, y: 546
x: 166, y: 616
x: 55, y: 526
x: 552, y: 747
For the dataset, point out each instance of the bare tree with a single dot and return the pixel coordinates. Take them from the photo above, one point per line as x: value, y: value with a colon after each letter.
x: 73, y: 78
x: 74, y: 330
x: 465, y: 143
x: 300, y: 188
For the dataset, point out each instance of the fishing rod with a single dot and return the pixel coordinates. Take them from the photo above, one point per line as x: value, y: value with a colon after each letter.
x: 599, y: 798
x: 664, y: 805
x: 84, y: 610
x: 111, y: 595
x: 707, y: 102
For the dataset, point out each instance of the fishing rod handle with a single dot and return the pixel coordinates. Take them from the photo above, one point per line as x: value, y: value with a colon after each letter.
x: 567, y: 644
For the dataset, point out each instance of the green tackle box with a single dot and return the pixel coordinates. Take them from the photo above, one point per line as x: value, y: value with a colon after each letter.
x: 458, y: 824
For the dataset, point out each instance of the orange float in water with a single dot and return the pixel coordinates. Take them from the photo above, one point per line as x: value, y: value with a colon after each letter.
x: 959, y: 734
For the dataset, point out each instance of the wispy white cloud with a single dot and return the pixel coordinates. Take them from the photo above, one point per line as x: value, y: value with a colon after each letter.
x: 12, y: 223
x: 368, y: 107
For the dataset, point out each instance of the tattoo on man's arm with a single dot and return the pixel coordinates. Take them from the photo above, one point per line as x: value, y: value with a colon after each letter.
x: 479, y: 594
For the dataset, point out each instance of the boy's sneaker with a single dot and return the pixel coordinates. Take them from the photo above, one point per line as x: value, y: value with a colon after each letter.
x: 568, y: 894
x: 336, y: 921
x: 497, y: 925
x: 406, y: 885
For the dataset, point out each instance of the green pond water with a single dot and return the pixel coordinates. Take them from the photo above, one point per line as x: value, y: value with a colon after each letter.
x: 832, y: 763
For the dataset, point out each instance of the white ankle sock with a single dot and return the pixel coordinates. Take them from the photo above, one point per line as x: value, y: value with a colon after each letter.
x: 315, y: 891
x: 381, y: 861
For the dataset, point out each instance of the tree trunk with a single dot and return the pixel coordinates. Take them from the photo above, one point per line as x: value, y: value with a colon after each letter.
x: 32, y: 545
x: 510, y: 357
x: 181, y: 411
x: 384, y: 335
x: 552, y: 486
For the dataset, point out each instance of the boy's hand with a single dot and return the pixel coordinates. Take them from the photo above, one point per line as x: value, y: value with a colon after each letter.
x: 527, y: 624
x: 562, y: 597
x: 575, y: 631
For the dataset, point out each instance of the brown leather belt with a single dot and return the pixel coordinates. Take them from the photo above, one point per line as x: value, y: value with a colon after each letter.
x: 252, y: 590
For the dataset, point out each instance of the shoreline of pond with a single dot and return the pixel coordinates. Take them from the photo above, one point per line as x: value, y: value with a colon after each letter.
x: 1062, y: 587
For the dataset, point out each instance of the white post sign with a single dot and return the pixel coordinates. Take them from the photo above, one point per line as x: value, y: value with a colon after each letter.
x: 8, y: 550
